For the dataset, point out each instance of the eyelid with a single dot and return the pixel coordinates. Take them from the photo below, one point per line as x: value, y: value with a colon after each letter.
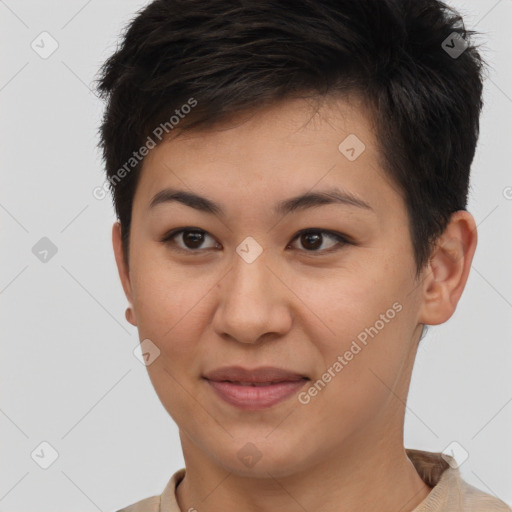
x: 341, y: 238
x: 167, y: 239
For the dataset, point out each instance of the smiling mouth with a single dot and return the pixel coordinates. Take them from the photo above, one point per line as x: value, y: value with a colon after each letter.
x: 256, y: 395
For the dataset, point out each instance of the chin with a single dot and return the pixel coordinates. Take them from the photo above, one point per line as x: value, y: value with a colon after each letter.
x: 261, y: 459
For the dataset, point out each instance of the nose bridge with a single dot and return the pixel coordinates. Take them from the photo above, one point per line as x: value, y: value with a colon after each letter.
x: 250, y: 305
x: 248, y: 277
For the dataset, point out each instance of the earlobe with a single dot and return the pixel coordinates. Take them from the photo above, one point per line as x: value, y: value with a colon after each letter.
x: 123, y: 270
x: 129, y: 316
x: 447, y: 272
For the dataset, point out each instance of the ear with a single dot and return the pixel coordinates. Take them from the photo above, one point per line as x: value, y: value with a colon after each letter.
x: 122, y: 268
x: 445, y: 276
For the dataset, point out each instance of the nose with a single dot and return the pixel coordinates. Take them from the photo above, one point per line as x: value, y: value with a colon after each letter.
x: 253, y: 303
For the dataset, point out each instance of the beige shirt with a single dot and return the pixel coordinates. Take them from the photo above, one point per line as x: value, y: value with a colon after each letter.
x: 449, y: 492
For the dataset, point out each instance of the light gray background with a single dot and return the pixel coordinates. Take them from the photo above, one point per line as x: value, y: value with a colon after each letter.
x: 68, y: 373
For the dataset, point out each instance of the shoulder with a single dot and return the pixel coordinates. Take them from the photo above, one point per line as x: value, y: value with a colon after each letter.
x: 475, y: 500
x: 151, y: 504
x: 449, y: 491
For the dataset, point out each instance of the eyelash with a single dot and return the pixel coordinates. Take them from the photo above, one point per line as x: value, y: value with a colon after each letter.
x: 342, y: 240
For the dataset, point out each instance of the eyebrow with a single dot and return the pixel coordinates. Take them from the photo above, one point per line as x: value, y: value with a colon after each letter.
x: 301, y: 202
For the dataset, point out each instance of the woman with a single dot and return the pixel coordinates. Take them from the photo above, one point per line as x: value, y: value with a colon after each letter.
x: 290, y: 180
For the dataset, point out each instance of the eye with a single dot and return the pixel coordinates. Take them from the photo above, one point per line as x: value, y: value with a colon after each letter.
x: 312, y: 239
x: 191, y: 239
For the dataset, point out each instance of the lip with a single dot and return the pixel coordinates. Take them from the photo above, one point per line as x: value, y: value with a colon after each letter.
x: 255, y: 397
x: 254, y: 389
x: 262, y: 374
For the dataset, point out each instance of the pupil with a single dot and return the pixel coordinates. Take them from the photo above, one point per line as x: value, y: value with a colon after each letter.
x: 194, y: 237
x: 317, y: 240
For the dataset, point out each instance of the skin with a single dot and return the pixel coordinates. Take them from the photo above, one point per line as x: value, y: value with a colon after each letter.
x: 297, y: 306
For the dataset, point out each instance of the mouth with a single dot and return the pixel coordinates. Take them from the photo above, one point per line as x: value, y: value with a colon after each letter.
x: 263, y: 375
x: 254, y: 389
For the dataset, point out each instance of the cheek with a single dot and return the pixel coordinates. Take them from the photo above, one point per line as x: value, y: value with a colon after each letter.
x: 169, y: 304
x: 171, y: 308
x: 365, y: 357
x: 345, y: 304
x: 364, y: 319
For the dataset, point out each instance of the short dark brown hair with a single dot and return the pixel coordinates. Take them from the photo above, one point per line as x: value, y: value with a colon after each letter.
x: 411, y: 61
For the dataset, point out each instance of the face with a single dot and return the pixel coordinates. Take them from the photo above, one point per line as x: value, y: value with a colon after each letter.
x: 324, y: 288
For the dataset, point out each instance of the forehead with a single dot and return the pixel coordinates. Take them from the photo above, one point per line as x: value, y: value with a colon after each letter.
x: 268, y: 154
